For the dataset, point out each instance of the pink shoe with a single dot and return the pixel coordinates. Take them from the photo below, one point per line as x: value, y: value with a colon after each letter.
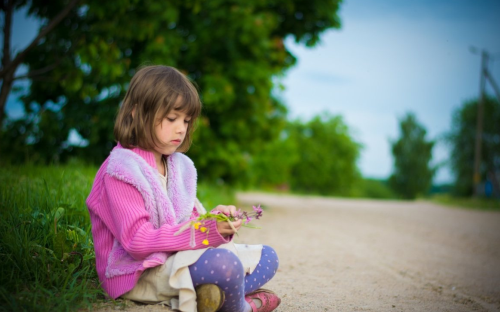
x: 269, y: 299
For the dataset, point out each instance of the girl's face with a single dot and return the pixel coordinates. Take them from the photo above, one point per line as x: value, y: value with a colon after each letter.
x: 171, y: 132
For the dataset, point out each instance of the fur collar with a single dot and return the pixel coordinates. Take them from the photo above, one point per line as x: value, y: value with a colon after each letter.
x: 171, y: 206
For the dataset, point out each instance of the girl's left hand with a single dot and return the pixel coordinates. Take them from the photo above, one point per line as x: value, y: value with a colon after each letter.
x: 225, y: 229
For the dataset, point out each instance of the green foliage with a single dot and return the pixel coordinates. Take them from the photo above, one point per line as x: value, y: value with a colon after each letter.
x: 211, y: 195
x: 233, y: 51
x: 327, y: 154
x: 45, y: 239
x: 473, y: 203
x: 318, y: 156
x: 373, y: 188
x: 462, y: 139
x: 412, y: 153
x: 272, y: 167
x: 442, y: 189
x: 13, y: 138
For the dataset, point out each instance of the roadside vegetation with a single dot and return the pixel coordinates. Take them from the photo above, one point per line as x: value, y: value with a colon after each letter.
x: 47, y: 260
x: 45, y: 240
x: 479, y: 203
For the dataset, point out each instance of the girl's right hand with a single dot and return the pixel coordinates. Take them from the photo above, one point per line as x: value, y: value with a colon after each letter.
x: 226, y: 230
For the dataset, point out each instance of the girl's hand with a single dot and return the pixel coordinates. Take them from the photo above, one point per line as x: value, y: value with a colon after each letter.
x: 227, y: 210
x: 226, y: 230
x: 223, y: 226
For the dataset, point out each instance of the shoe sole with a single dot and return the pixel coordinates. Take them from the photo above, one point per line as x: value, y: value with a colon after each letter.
x: 209, y: 298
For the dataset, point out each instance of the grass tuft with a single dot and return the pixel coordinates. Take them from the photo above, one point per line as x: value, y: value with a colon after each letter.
x: 47, y: 261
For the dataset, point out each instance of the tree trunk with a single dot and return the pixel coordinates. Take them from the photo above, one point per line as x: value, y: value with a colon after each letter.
x: 8, y: 79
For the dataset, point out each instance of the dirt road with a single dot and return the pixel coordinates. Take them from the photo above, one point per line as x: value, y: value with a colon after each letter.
x: 364, y: 255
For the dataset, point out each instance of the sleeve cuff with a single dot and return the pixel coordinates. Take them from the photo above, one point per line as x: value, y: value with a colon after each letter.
x: 215, y: 238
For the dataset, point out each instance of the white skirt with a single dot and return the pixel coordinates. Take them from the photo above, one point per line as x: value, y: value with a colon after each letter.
x: 171, y: 283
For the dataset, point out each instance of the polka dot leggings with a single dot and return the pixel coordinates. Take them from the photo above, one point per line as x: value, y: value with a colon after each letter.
x: 223, y: 268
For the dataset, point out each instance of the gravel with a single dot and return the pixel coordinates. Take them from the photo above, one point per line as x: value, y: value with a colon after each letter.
x: 366, y: 255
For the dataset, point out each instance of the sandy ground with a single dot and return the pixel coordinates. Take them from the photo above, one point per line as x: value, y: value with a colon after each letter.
x: 365, y: 255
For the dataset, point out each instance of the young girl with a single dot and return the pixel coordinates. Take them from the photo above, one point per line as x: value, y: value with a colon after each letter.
x: 143, y: 194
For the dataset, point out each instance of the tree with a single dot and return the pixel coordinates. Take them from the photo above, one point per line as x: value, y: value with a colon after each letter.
x: 412, y: 153
x: 232, y: 50
x: 462, y: 140
x: 327, y: 155
x: 272, y: 167
x: 9, y: 64
x: 315, y: 157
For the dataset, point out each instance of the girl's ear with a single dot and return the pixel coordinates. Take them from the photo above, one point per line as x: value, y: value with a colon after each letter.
x: 133, y: 111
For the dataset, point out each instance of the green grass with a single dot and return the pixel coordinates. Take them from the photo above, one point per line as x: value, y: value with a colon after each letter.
x: 46, y: 252
x: 211, y: 195
x: 468, y: 203
x: 47, y: 261
x: 373, y: 188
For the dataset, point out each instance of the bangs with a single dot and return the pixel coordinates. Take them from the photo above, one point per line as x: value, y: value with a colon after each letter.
x: 185, y: 100
x: 188, y: 102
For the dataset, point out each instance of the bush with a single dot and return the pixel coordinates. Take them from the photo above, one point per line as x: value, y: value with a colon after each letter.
x: 373, y: 188
x: 314, y: 157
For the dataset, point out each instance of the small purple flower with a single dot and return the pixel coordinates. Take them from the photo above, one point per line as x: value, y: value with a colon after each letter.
x: 258, y: 211
x: 244, y: 215
x: 238, y: 214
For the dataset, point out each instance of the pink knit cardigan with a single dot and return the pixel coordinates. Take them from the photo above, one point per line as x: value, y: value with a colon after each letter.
x: 134, y: 219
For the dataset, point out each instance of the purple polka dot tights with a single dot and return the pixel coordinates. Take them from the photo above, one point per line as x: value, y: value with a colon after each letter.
x: 223, y: 268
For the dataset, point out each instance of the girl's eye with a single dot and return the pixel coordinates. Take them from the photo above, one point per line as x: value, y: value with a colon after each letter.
x: 171, y: 119
x: 187, y: 121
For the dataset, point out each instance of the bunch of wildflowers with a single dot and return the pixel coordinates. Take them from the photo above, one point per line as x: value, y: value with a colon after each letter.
x: 199, y: 223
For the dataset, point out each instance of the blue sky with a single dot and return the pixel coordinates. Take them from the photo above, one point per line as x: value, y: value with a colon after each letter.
x: 389, y: 57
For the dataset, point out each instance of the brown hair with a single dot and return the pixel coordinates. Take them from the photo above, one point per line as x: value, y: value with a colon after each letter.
x: 154, y: 91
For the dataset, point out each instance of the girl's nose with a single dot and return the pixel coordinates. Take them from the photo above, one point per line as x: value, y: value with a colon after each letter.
x: 182, y: 127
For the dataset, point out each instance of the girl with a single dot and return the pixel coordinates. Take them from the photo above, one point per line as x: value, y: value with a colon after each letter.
x: 143, y: 194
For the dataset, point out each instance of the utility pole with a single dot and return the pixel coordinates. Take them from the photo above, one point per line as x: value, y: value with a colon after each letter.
x: 493, y: 83
x: 479, y: 123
